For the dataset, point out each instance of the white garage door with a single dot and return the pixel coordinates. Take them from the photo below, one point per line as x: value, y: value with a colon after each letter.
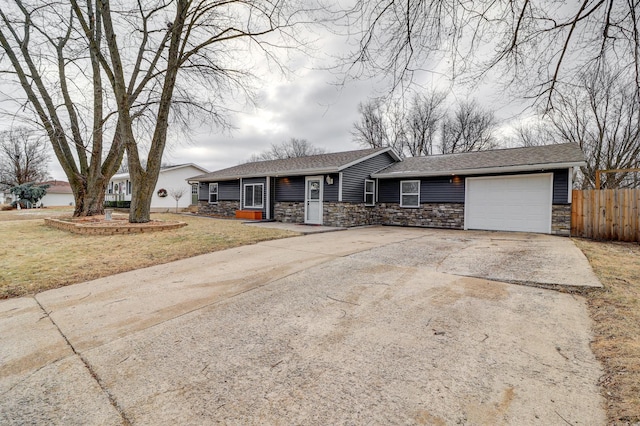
x: 509, y: 203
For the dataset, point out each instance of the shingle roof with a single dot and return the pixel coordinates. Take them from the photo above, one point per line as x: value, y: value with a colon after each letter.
x: 494, y: 161
x: 121, y: 176
x: 58, y: 187
x: 322, y: 163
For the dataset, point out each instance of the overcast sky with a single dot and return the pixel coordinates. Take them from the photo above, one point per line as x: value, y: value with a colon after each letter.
x: 308, y: 104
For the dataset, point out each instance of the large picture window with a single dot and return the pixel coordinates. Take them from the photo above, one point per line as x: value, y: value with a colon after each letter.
x: 253, y: 195
x: 410, y: 193
x: 213, y: 192
x: 369, y: 192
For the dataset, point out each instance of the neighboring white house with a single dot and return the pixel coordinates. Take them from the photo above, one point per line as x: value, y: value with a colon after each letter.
x: 59, y: 193
x: 6, y: 197
x: 171, y: 177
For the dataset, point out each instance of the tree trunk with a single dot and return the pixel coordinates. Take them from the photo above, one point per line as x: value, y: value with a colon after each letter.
x: 89, y: 199
x: 142, y: 186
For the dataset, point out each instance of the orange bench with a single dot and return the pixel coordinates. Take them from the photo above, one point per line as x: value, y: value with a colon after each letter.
x: 249, y: 214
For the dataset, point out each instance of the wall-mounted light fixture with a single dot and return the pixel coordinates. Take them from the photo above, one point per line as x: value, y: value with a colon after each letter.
x: 329, y: 180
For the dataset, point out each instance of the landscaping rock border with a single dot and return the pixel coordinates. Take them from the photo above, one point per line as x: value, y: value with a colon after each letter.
x: 112, y: 227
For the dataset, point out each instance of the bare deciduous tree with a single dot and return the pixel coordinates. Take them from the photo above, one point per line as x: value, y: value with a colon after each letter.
x: 537, y: 45
x: 371, y: 129
x: 538, y: 132
x: 292, y: 148
x: 422, y: 122
x: 93, y: 72
x: 469, y: 128
x: 381, y: 124
x: 23, y: 157
x: 425, y: 127
x: 176, y: 194
x: 602, y: 115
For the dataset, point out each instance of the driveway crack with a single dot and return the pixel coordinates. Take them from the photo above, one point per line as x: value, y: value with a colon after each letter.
x: 87, y: 365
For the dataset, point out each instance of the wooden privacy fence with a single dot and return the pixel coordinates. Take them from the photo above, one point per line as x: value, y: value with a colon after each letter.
x: 606, y: 214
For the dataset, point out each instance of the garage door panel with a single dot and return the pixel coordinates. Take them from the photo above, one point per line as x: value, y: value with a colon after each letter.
x: 513, y: 203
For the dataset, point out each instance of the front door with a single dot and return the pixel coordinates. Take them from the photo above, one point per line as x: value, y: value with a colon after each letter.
x: 313, y: 200
x: 194, y: 194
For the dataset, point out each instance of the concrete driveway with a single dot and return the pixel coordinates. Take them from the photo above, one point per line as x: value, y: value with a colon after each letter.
x: 374, y: 325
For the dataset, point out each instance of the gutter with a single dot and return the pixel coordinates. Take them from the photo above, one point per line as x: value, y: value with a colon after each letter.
x: 478, y: 171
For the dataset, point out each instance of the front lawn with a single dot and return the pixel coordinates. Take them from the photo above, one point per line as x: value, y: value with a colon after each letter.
x: 34, y: 257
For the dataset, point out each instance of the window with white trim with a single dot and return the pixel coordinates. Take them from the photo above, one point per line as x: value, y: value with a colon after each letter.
x: 369, y: 192
x: 410, y: 193
x: 213, y: 193
x: 253, y: 194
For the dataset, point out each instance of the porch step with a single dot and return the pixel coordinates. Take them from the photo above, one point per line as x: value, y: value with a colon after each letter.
x: 249, y: 214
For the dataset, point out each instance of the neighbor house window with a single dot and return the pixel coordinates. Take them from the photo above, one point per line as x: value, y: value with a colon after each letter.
x: 253, y: 195
x: 410, y: 193
x: 213, y: 192
x: 369, y: 192
x: 128, y: 187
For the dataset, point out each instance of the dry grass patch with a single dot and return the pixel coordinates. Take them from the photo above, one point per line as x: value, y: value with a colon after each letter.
x: 30, y: 214
x: 34, y: 257
x: 616, y: 314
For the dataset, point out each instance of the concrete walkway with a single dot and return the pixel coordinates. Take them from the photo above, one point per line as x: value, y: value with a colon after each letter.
x: 371, y: 325
x: 296, y: 227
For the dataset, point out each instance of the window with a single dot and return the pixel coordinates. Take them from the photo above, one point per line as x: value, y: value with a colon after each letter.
x: 213, y: 192
x: 128, y: 187
x: 410, y: 193
x: 369, y: 192
x: 253, y: 195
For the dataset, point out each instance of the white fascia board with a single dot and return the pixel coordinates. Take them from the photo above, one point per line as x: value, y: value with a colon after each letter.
x: 570, y: 186
x: 480, y: 171
x: 120, y: 176
x: 182, y: 166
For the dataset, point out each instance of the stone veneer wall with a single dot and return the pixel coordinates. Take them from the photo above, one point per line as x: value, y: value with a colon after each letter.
x: 561, y: 219
x: 430, y: 215
x: 221, y: 208
x: 289, y: 211
x: 349, y: 214
x: 434, y: 215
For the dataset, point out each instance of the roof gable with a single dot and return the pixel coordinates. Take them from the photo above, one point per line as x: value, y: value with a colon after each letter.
x: 322, y: 163
x: 493, y: 161
x: 58, y: 187
x: 164, y: 169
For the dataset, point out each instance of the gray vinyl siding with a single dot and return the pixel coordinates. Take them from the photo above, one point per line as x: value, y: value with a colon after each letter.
x: 229, y: 190
x: 388, y: 190
x: 432, y: 190
x: 261, y: 180
x: 292, y: 188
x: 330, y: 192
x: 289, y: 188
x: 203, y: 191
x: 353, y: 177
x: 561, y: 186
x: 450, y: 189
